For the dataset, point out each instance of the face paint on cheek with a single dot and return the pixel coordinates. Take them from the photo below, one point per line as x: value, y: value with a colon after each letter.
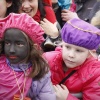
x: 16, y: 48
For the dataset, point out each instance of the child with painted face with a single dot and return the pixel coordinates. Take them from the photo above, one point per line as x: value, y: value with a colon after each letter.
x: 74, y: 68
x: 24, y: 74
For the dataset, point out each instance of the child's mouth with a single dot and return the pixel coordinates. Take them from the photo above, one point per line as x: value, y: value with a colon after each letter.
x: 70, y: 61
x: 12, y: 57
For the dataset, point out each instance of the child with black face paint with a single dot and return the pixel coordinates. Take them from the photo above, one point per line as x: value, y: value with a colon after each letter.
x: 24, y: 75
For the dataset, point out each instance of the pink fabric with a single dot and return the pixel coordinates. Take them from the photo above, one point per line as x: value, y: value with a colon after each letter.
x: 72, y: 6
x: 8, y: 85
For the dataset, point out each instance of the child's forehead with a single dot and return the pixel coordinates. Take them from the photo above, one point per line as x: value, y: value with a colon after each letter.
x: 14, y: 33
x: 73, y: 46
x: 13, y: 30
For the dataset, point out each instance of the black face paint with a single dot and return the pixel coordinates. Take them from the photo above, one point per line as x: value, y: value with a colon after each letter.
x: 16, y: 46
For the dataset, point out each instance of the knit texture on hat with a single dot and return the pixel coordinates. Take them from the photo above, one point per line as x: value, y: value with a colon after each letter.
x: 81, y: 33
x: 24, y: 23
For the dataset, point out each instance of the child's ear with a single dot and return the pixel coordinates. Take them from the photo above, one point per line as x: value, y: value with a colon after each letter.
x: 9, y: 4
x: 92, y: 53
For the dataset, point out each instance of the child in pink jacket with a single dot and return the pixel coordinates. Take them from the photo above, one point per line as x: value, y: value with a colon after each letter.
x: 24, y: 74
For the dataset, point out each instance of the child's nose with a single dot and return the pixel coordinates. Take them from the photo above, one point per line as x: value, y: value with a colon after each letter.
x: 71, y: 54
x: 12, y: 49
x: 25, y: 4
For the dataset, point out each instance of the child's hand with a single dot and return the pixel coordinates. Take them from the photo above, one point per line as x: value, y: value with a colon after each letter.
x: 61, y: 92
x: 67, y: 15
x: 49, y: 28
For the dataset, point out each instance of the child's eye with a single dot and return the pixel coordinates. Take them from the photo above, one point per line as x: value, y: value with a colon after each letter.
x: 79, y: 50
x: 68, y: 47
x: 19, y: 44
x: 7, y: 43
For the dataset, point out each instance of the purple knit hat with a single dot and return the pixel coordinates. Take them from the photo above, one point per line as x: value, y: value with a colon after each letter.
x: 25, y: 23
x: 81, y: 33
